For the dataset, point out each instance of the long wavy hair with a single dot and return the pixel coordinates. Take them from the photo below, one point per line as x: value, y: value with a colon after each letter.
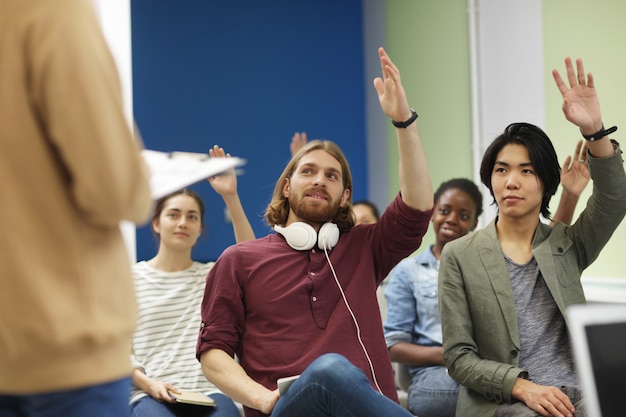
x: 277, y: 210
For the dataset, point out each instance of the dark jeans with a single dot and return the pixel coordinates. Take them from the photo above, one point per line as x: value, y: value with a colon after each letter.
x: 149, y: 407
x: 103, y: 400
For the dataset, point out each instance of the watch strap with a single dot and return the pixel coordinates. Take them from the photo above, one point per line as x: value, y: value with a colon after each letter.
x: 406, y: 122
x: 600, y: 133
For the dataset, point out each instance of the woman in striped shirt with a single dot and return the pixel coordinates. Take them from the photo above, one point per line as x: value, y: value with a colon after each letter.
x: 169, y: 291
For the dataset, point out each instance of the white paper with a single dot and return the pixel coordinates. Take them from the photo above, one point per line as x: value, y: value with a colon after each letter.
x: 175, y: 170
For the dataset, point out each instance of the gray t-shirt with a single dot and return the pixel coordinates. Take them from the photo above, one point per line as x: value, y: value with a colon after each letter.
x: 546, y: 352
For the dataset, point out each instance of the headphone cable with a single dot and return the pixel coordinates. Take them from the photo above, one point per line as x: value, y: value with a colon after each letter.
x: 356, y: 324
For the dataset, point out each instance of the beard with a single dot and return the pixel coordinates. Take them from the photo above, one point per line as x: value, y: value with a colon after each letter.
x: 314, y: 211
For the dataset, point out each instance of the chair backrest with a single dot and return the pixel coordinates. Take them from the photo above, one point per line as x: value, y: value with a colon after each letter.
x: 382, y: 301
x: 401, y: 372
x: 402, y: 376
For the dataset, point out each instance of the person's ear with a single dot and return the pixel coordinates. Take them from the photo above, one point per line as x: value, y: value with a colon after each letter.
x: 345, y: 197
x: 286, y: 188
x: 156, y: 226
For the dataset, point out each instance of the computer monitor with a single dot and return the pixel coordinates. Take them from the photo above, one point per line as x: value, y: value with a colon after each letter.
x: 598, y: 335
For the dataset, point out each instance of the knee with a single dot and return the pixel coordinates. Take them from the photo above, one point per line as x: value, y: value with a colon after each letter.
x: 226, y: 405
x: 331, y: 365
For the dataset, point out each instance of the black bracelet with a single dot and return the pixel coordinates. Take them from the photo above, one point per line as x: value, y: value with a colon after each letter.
x: 599, y: 134
x: 406, y: 123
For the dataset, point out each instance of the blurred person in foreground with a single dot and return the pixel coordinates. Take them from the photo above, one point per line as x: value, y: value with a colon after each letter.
x: 71, y: 172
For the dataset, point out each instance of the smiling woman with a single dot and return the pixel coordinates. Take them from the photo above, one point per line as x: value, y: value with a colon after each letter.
x: 178, y: 222
x: 413, y: 324
x: 169, y: 290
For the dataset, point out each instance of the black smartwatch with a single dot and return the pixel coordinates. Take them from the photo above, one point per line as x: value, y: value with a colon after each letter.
x: 406, y: 123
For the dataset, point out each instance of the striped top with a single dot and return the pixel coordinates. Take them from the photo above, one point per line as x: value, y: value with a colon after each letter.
x: 168, y: 320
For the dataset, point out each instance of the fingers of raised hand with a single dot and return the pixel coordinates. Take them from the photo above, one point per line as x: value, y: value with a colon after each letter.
x: 216, y: 151
x: 571, y: 74
x: 581, y: 72
x: 584, y: 151
x: 559, y: 82
x: 577, y: 153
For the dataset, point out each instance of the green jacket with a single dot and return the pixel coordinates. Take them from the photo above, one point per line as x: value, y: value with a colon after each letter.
x: 480, y: 332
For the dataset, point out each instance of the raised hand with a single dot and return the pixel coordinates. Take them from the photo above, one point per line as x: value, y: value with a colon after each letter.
x: 297, y: 141
x: 225, y: 183
x: 391, y: 94
x: 580, y: 101
x: 575, y: 173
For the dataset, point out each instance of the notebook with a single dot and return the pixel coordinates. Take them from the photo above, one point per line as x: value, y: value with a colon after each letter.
x: 598, y: 335
x: 285, y: 383
x: 195, y: 398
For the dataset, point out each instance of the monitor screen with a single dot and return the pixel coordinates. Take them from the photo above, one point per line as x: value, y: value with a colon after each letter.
x: 607, y: 351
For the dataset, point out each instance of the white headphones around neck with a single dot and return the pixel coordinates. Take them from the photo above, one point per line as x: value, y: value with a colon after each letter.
x: 302, y: 236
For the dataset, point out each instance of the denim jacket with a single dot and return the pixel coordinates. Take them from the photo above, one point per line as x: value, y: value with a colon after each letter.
x: 412, y: 302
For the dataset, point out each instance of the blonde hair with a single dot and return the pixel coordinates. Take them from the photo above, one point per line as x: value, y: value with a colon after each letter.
x: 277, y: 210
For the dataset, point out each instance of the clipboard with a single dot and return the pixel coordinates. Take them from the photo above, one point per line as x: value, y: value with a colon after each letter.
x: 171, y: 171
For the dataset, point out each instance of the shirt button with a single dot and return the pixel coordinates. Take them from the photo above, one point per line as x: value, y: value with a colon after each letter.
x: 312, y: 273
x: 314, y: 298
x: 202, y: 324
x: 514, y: 353
x: 560, y: 250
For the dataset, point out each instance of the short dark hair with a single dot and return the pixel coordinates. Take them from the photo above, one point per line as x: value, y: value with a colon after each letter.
x: 542, y: 156
x: 468, y: 187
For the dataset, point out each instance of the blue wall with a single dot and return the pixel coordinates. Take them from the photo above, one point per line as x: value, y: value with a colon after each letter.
x: 246, y: 75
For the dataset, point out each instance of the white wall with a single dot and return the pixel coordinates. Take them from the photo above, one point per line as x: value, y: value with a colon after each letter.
x: 114, y: 16
x: 500, y: 33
